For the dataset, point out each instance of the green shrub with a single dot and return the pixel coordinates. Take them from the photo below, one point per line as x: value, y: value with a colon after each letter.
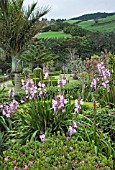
x: 38, y: 73
x: 36, y: 80
x: 55, y: 153
x: 55, y: 73
x: 31, y: 75
x: 72, y: 89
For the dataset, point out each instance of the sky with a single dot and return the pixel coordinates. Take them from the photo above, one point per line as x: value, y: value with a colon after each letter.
x: 66, y: 9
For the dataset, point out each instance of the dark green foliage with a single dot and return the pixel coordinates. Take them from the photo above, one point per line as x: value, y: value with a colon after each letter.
x: 55, y: 153
x: 105, y: 118
x: 93, y: 16
x: 55, y: 73
x: 3, y: 143
x: 72, y: 89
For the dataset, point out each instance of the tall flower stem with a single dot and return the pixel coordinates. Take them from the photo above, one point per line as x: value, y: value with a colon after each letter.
x: 94, y: 106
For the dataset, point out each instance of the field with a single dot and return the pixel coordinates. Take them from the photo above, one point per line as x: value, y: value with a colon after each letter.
x: 105, y: 24
x: 51, y: 34
x: 72, y: 21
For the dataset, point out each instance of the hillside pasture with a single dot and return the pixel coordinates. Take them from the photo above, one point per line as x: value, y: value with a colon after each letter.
x: 103, y: 25
x: 51, y: 34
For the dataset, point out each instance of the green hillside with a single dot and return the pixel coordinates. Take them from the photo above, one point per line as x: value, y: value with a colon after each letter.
x: 51, y: 34
x: 105, y: 24
x: 72, y: 21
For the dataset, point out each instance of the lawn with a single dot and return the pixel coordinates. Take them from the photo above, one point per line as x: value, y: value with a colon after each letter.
x: 52, y: 34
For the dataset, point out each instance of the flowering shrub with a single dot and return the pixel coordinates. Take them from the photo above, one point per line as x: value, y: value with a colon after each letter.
x: 42, y: 114
x: 104, y: 88
x: 56, y: 152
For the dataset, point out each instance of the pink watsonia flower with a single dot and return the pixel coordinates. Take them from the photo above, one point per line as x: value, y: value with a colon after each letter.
x: 42, y: 136
x: 78, y: 104
x: 29, y: 88
x: 10, y: 108
x: 59, y: 103
x: 46, y: 75
x: 63, y: 110
x: 11, y: 93
x: 74, y: 124
x: 42, y: 93
x: 71, y: 131
x: 104, y: 73
x: 94, y: 83
x: 6, y: 158
x: 62, y: 81
x: 41, y: 84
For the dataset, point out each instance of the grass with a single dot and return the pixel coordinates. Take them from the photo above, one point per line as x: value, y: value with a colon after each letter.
x: 51, y: 34
x: 107, y: 19
x: 72, y: 21
x: 104, y: 25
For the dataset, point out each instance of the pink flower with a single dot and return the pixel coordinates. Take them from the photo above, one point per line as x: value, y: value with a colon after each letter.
x: 14, y: 161
x: 71, y: 131
x: 25, y: 167
x: 41, y: 84
x: 16, y: 167
x: 59, y: 103
x: 74, y: 124
x: 42, y: 137
x: 6, y: 158
x: 62, y: 81
x: 11, y: 93
x: 46, y: 75
x: 30, y: 162
x: 82, y: 162
x: 78, y: 105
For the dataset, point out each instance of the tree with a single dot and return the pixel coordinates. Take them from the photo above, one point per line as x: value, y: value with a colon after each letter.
x: 37, y: 53
x: 17, y: 27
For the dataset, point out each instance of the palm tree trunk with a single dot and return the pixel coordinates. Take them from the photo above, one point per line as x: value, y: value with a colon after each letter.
x: 16, y: 69
x: 17, y: 81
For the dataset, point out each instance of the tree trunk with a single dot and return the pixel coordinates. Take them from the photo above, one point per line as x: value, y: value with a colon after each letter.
x: 17, y: 81
x: 16, y: 69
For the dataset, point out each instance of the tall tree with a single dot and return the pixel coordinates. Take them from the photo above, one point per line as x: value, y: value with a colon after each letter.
x: 18, y: 26
x: 37, y: 53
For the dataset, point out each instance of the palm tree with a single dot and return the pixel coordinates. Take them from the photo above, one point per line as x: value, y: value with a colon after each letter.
x: 37, y: 53
x: 18, y: 26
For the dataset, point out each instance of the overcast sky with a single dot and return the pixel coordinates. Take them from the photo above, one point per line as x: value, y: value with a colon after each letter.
x: 72, y: 8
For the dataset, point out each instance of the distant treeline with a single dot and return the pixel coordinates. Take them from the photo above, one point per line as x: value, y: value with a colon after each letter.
x: 93, y: 16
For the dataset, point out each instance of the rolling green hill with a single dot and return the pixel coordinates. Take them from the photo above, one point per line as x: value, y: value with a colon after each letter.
x: 97, y: 15
x: 104, y: 24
